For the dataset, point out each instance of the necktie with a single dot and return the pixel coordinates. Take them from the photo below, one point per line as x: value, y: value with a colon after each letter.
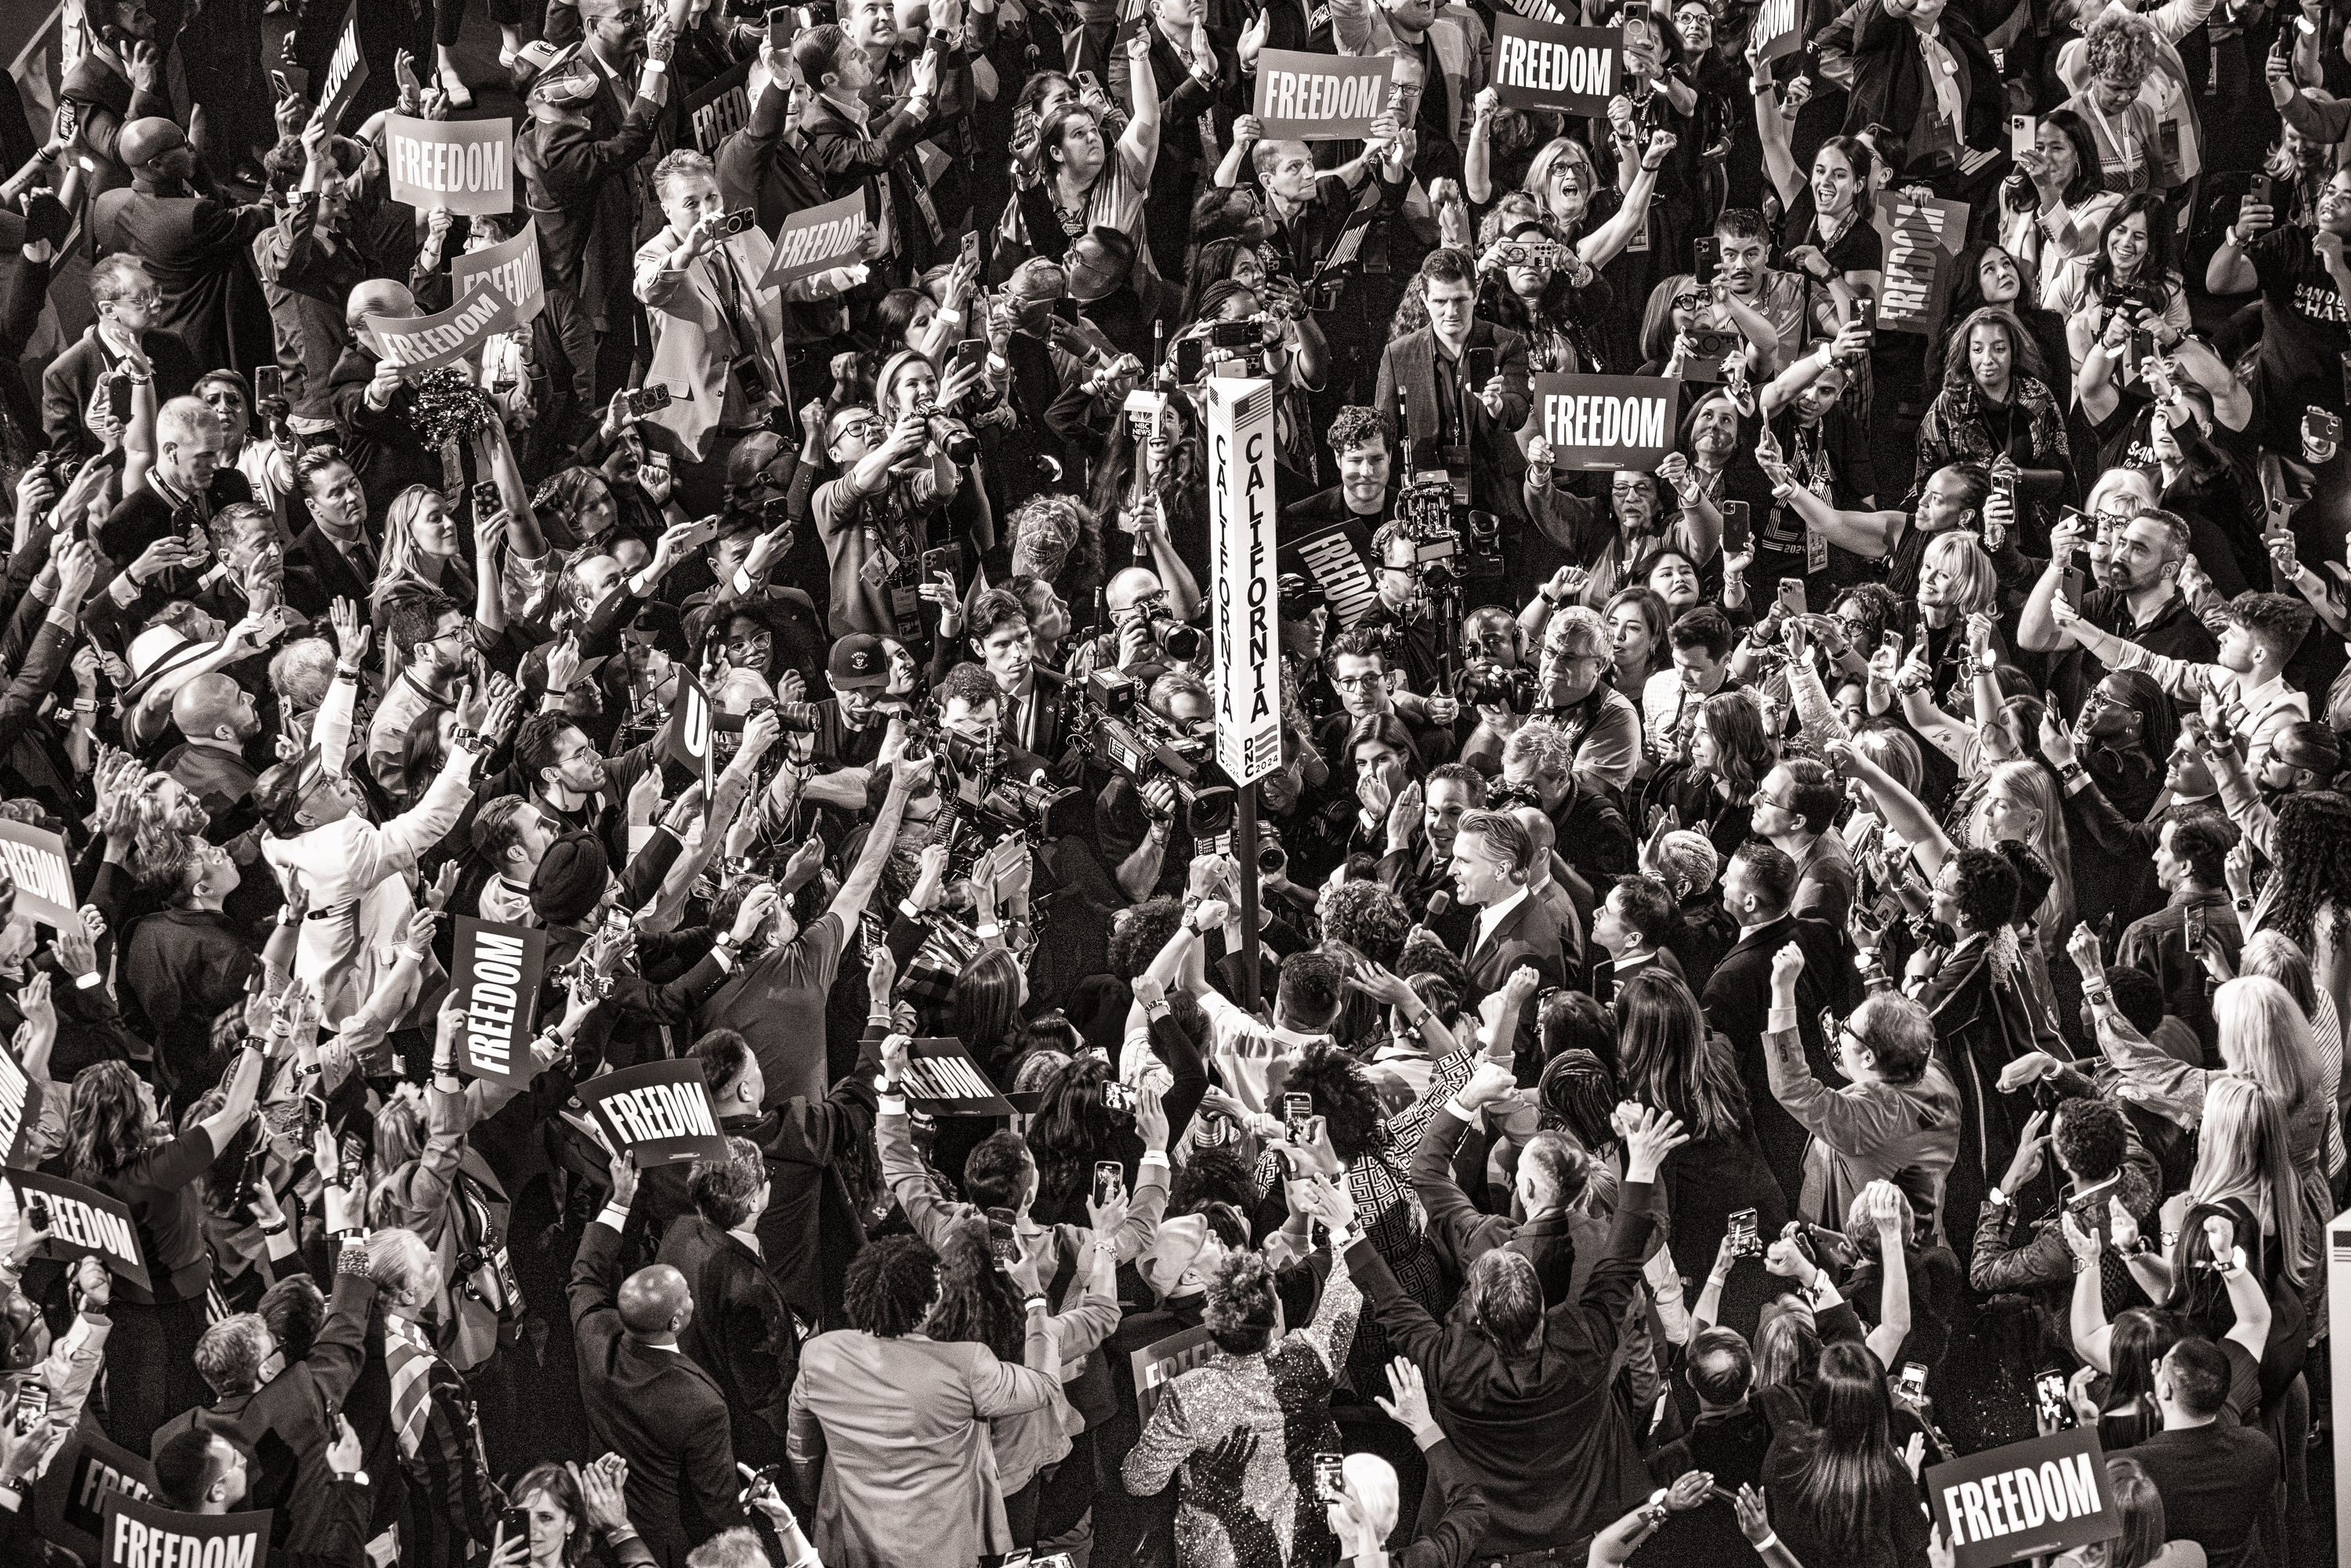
x: 1943, y: 71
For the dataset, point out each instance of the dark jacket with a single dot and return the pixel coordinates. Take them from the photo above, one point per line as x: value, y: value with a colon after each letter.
x: 741, y: 1334
x: 70, y: 378
x: 198, y: 251
x: 1540, y: 1427
x: 577, y: 187
x: 316, y: 573
x: 1496, y: 463
x: 380, y: 443
x: 655, y: 1407
x: 1738, y: 1001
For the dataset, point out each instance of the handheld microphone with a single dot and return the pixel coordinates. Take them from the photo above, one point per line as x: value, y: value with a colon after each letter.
x: 1438, y: 902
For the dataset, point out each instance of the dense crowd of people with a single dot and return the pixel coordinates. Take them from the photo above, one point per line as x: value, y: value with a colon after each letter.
x: 1750, y: 983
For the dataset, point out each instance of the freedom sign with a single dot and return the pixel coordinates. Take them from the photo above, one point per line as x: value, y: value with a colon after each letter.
x: 497, y: 975
x: 2042, y: 1496
x: 70, y: 1499
x: 1338, y: 557
x: 1161, y: 1361
x: 817, y: 239
x: 37, y: 859
x: 20, y: 1102
x: 1773, y: 32
x: 1305, y: 97
x: 722, y: 107
x: 1539, y: 66
x: 511, y: 267
x: 1607, y: 422
x: 1247, y: 676
x: 1923, y: 239
x: 941, y: 1080
x: 135, y: 1534
x: 658, y: 1110
x: 461, y: 165
x: 82, y: 1224
x: 427, y: 342
x: 347, y: 70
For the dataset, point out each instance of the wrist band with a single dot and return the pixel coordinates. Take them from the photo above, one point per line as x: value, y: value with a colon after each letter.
x: 1768, y: 1542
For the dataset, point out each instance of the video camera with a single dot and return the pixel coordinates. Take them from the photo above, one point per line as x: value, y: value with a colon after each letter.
x: 1120, y: 730
x: 988, y: 802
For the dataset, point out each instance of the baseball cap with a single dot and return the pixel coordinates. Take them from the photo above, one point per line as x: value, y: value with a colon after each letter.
x: 860, y: 662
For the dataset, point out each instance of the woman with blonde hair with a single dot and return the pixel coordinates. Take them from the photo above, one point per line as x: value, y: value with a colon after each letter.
x: 1568, y: 193
x: 423, y: 554
x: 2272, y: 954
x: 2020, y: 801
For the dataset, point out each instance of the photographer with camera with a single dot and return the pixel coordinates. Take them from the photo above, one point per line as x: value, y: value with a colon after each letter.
x: 1146, y: 636
x: 1463, y: 422
x: 1145, y: 832
x: 896, y: 476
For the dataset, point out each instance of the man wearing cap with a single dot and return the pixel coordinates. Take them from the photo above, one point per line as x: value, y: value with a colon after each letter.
x: 577, y: 189
x: 846, y: 729
x: 195, y: 247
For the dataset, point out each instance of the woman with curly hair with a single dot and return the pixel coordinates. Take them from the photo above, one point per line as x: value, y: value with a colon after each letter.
x: 117, y: 1144
x: 909, y: 1479
x: 2120, y: 50
x: 2308, y: 896
x: 1671, y: 1060
x: 1714, y: 793
x: 980, y: 1303
x: 1266, y: 1379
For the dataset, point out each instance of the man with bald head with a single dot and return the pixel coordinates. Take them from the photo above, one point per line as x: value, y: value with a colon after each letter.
x: 218, y: 717
x: 372, y: 403
x: 1554, y: 884
x: 647, y: 1401
x: 1134, y: 596
x: 196, y: 247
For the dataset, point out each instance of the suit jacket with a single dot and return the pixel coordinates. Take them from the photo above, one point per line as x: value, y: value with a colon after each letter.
x: 742, y: 1332
x: 199, y: 252
x: 70, y: 378
x: 1528, y: 935
x: 1738, y: 1001
x: 875, y: 160
x: 696, y: 337
x: 285, y: 1424
x: 380, y: 443
x: 577, y: 184
x: 317, y: 574
x: 1497, y: 467
x: 655, y: 1407
x: 1045, y: 688
x: 104, y: 102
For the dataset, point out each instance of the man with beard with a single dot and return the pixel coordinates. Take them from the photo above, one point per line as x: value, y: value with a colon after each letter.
x: 2196, y: 933
x: 195, y: 247
x: 186, y: 485
x: 1359, y: 443
x: 2111, y: 765
x: 570, y: 781
x: 1419, y: 858
x: 432, y: 638
x: 2141, y: 599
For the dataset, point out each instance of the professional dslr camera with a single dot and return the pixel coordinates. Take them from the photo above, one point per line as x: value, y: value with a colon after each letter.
x: 949, y: 433
x: 1241, y: 343
x: 1118, y: 729
x: 1484, y: 684
x: 989, y: 803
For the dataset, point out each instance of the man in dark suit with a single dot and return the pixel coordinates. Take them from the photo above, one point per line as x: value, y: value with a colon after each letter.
x: 1493, y: 864
x: 280, y: 1413
x: 337, y: 555
x: 999, y: 631
x: 1759, y: 890
x: 1359, y: 445
x: 742, y: 1332
x: 198, y: 248
x: 1466, y: 430
x: 125, y: 299
x: 117, y: 80
x: 647, y: 1400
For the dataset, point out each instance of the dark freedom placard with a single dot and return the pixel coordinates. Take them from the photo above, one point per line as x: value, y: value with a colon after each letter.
x: 1338, y: 557
x: 347, y: 69
x: 1773, y: 32
x: 1607, y: 422
x: 136, y: 1535
x: 2043, y: 1496
x: 1539, y: 66
x: 83, y: 1223
x: 70, y: 1499
x: 721, y: 107
x: 660, y: 1111
x: 1160, y: 1362
x: 1923, y: 239
x: 1305, y: 97
x: 497, y: 975
x: 941, y: 1080
x: 37, y: 859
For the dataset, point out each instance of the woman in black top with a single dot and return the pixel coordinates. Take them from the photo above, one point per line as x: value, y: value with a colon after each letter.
x: 1839, y: 1493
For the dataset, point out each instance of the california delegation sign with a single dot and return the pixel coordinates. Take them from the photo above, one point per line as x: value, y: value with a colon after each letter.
x: 1241, y: 540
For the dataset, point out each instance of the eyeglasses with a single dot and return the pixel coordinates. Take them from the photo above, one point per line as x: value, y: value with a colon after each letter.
x: 869, y: 429
x: 1358, y: 682
x: 1688, y: 301
x: 745, y: 644
x: 1760, y: 798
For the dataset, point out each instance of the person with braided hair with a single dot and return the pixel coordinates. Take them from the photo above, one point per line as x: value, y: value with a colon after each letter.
x: 2306, y: 900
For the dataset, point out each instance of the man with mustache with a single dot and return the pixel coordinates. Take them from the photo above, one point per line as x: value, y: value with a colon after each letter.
x: 2140, y: 599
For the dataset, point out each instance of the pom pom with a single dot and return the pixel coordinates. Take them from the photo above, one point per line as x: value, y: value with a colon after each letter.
x: 449, y: 407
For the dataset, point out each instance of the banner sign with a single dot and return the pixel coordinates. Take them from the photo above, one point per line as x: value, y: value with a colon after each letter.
x: 427, y: 342
x: 1607, y: 422
x: 1247, y: 676
x: 1923, y: 239
x: 82, y: 1224
x: 659, y: 1110
x: 1540, y: 10
x: 817, y: 239
x: 941, y: 1080
x: 464, y: 165
x: 20, y: 1104
x: 511, y: 268
x: 135, y: 1534
x: 1338, y: 557
x: 687, y: 740
x: 1539, y: 66
x: 1774, y: 31
x: 721, y: 108
x: 36, y: 858
x: 1305, y: 97
x: 2043, y: 1496
x: 347, y: 69
x: 1161, y: 1360
x: 496, y: 973
x: 69, y: 1499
